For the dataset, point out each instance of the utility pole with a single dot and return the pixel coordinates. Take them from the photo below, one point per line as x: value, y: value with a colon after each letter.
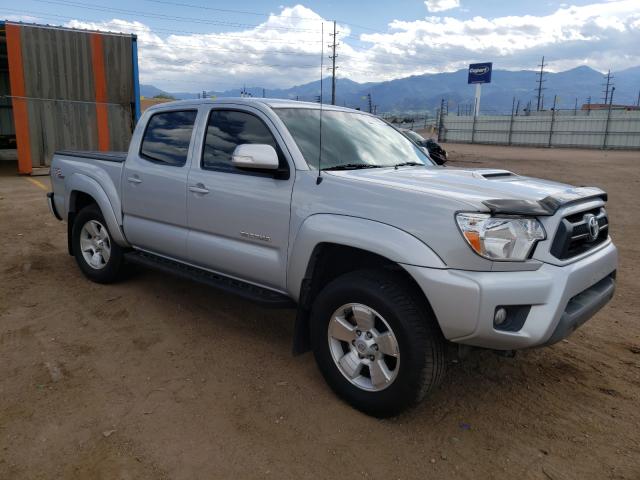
x: 333, y: 57
x: 263, y: 93
x: 638, y: 102
x: 607, y: 85
x: 369, y: 102
x: 541, y: 80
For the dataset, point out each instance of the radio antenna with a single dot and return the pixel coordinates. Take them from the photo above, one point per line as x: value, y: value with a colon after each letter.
x: 319, y: 178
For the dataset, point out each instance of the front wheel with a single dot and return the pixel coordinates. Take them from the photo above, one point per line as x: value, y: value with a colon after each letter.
x: 100, y: 259
x: 376, y: 342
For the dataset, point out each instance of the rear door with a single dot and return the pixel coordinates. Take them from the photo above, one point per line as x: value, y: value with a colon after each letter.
x: 239, y: 218
x: 154, y: 184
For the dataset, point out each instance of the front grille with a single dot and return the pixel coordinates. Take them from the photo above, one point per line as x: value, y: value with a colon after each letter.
x: 573, y: 236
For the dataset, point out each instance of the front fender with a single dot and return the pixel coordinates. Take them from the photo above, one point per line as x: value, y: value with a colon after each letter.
x: 375, y: 237
x: 83, y: 183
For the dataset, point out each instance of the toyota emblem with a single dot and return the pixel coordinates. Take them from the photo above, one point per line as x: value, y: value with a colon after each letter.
x: 592, y: 226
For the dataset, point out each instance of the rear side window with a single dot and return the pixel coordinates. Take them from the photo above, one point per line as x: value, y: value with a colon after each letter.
x: 166, y: 139
x: 226, y: 130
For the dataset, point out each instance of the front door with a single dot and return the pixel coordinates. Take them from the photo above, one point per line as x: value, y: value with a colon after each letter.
x: 154, y: 185
x: 239, y: 219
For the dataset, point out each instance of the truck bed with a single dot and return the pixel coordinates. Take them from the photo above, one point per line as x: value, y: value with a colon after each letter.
x: 118, y: 157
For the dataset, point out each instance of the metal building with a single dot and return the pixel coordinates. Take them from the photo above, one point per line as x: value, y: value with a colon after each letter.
x: 62, y: 88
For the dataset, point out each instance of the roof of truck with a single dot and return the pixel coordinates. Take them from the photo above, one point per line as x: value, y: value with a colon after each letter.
x: 271, y: 102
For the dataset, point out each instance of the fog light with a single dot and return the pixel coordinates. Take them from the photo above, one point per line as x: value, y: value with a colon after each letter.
x: 500, y: 316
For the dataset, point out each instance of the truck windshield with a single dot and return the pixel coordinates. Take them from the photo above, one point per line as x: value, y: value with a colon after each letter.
x: 349, y: 140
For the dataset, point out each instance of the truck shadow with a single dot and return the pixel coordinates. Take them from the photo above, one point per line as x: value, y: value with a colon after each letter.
x: 478, y: 383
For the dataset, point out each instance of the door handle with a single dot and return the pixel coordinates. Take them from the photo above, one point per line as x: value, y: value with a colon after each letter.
x: 199, y: 188
x: 134, y: 180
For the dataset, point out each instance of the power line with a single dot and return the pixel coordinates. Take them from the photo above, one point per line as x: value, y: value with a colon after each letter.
x: 228, y: 10
x: 168, y: 17
x: 333, y: 64
x: 263, y: 14
x: 159, y: 29
x: 540, y: 98
x: 216, y: 48
x: 217, y: 35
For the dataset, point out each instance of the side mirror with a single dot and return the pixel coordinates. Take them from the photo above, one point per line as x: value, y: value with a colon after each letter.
x: 255, y: 156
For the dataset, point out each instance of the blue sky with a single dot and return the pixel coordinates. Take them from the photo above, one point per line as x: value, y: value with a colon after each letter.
x: 375, y: 14
x: 196, y: 44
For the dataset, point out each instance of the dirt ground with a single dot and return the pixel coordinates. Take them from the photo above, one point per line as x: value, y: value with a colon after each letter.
x: 158, y: 377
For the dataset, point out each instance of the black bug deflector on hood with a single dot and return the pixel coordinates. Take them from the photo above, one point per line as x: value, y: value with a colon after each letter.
x: 547, y: 206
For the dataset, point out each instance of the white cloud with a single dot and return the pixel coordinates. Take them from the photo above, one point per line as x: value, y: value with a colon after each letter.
x: 441, y: 5
x: 285, y: 49
x: 605, y: 33
x: 21, y: 18
x: 282, y: 51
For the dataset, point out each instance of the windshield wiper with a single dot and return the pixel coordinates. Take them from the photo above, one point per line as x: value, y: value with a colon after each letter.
x: 408, y: 164
x: 351, y: 166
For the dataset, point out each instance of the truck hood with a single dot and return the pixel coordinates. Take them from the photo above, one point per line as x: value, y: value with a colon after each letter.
x: 483, y: 188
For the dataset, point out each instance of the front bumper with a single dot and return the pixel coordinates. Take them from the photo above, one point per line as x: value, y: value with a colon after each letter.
x: 561, y: 298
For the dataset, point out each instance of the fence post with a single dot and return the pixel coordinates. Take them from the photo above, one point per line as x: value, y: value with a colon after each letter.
x: 441, y: 122
x: 606, y: 125
x: 553, y: 119
x: 473, y: 125
x: 513, y: 104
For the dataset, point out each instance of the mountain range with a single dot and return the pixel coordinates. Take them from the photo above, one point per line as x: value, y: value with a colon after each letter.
x: 419, y: 93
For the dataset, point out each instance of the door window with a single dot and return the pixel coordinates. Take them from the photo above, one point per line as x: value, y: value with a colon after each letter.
x: 226, y: 129
x: 167, y: 136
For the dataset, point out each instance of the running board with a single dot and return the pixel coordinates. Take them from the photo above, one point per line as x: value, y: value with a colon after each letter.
x: 246, y: 290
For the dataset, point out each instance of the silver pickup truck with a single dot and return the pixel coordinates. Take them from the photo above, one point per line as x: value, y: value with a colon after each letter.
x: 388, y: 258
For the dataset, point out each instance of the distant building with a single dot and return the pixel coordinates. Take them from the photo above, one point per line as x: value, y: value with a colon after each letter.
x: 605, y: 106
x: 150, y: 102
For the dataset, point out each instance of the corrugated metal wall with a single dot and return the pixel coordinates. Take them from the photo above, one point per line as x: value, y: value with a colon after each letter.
x: 598, y: 129
x: 60, y: 90
x: 6, y: 114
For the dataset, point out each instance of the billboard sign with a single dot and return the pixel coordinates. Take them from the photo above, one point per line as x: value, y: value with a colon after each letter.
x: 480, y: 73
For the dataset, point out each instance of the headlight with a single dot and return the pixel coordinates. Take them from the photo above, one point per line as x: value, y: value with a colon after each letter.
x: 500, y: 238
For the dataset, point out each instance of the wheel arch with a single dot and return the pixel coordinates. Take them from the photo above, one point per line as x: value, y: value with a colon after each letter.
x: 82, y: 191
x: 377, y: 238
x: 374, y: 245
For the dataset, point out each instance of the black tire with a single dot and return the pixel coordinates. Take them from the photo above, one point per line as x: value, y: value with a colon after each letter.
x: 112, y: 270
x: 421, y: 344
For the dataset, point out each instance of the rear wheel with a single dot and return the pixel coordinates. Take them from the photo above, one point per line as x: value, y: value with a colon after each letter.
x: 99, y: 258
x: 376, y: 342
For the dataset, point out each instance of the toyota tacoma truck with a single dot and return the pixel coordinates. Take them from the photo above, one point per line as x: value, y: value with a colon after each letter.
x: 388, y: 258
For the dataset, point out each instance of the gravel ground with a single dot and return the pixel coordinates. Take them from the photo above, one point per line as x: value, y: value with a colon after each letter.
x: 157, y: 377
